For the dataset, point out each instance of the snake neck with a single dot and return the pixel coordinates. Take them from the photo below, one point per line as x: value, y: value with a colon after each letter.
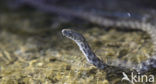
x: 90, y: 55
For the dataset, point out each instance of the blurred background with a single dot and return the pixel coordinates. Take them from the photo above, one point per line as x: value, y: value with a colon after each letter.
x: 33, y: 50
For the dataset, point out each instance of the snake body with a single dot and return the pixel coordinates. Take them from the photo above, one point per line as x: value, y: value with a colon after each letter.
x: 81, y: 42
x: 93, y: 59
x: 85, y: 48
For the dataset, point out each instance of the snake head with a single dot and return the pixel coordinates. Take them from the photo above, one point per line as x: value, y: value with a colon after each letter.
x: 73, y: 35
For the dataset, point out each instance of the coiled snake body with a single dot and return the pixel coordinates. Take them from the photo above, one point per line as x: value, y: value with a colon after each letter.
x: 81, y: 42
x: 93, y: 59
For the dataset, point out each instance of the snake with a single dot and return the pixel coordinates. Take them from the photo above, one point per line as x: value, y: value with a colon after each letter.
x: 79, y: 39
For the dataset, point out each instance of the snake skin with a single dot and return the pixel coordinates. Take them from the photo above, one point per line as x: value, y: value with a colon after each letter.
x: 80, y: 40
